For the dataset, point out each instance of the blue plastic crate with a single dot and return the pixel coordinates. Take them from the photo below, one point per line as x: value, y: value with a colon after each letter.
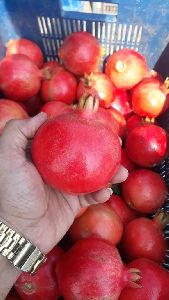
x: 142, y: 25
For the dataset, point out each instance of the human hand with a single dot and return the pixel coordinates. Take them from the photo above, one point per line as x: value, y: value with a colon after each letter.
x: 28, y: 205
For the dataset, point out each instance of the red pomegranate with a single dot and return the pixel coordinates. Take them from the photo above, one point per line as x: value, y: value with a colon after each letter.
x: 80, y: 53
x: 147, y: 145
x: 144, y: 191
x: 149, y: 98
x: 26, y: 47
x: 61, y: 86
x: 92, y: 269
x: 121, y: 102
x: 126, y: 68
x: 98, y: 221
x: 144, y: 238
x: 75, y: 152
x: 10, y: 110
x: 20, y: 78
x: 56, y: 108
x: 33, y: 105
x: 154, y: 282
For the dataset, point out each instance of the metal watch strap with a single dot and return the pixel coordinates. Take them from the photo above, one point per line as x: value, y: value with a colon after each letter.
x: 19, y: 251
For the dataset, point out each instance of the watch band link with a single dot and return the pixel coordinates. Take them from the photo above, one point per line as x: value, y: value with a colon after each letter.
x: 19, y: 251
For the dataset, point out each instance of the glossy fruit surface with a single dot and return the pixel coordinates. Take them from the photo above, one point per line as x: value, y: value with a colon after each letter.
x: 154, y: 282
x: 92, y: 269
x: 69, y: 155
x: 144, y: 191
x: 20, y: 78
x: 126, y: 68
x: 147, y: 145
x: 80, y: 53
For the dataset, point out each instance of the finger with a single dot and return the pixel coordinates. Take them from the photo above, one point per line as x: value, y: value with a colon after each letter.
x: 96, y: 197
x: 17, y: 132
x: 120, y: 176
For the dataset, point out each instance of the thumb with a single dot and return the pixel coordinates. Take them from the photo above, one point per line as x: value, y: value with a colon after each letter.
x: 17, y: 132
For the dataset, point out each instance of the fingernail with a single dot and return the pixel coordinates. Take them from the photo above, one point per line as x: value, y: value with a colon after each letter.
x: 110, y: 191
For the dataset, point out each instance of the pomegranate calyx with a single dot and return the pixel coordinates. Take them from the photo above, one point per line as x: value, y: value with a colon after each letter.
x: 133, y: 275
x: 88, y: 104
x: 120, y: 66
x: 29, y: 288
x: 89, y: 80
x: 161, y: 219
x: 149, y: 120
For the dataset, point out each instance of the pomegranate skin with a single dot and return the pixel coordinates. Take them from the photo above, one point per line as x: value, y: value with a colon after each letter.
x: 20, y: 78
x: 144, y: 238
x: 26, y: 47
x: 147, y: 145
x: 126, y: 68
x: 70, y: 157
x: 92, y: 269
x: 61, y: 87
x: 56, y: 108
x: 10, y: 110
x: 97, y: 84
x: 154, y: 282
x: 144, y: 191
x: 80, y: 53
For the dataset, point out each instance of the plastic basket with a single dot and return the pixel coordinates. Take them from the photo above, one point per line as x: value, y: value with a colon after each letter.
x: 138, y: 24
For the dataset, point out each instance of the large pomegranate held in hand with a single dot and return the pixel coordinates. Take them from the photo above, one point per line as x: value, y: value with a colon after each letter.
x: 98, y: 221
x: 97, y: 84
x: 10, y: 110
x: 20, y: 78
x: 80, y: 53
x: 126, y: 68
x: 147, y: 145
x: 92, y: 269
x: 75, y: 152
x: 26, y: 47
x: 144, y: 190
x: 154, y: 282
x: 60, y: 86
x: 144, y: 238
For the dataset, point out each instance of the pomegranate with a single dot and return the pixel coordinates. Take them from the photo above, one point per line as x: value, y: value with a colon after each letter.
x: 97, y: 84
x: 154, y: 282
x: 126, y: 68
x: 80, y: 53
x: 121, y: 102
x: 133, y: 122
x: 125, y: 213
x: 69, y: 155
x: 147, y: 145
x: 61, y: 86
x: 144, y: 238
x: 43, y: 285
x: 144, y: 191
x: 33, y: 105
x: 10, y: 110
x: 81, y: 211
x: 98, y: 221
x: 92, y: 269
x: 149, y: 98
x: 56, y: 108
x: 20, y: 78
x: 26, y: 47
x: 126, y: 162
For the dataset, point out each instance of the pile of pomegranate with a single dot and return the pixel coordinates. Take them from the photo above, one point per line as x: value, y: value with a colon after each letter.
x: 97, y: 121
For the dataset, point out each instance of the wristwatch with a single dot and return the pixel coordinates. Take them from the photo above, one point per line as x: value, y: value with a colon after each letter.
x: 19, y: 251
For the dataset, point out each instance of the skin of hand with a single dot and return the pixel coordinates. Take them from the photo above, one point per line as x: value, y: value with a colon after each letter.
x: 28, y: 205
